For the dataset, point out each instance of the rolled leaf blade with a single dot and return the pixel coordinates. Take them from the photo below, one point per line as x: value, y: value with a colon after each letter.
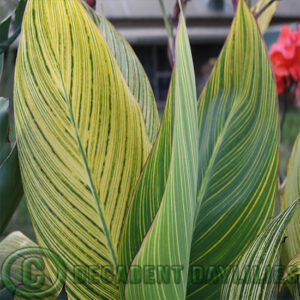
x: 150, y: 187
x: 238, y: 153
x: 167, y: 242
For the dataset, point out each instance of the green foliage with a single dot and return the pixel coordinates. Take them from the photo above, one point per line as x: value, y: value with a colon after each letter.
x: 106, y: 186
x: 11, y: 190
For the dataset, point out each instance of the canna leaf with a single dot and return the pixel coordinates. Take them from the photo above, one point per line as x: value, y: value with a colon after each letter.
x: 258, y: 283
x: 6, y: 41
x: 292, y: 191
x: 82, y: 140
x: 167, y: 241
x: 151, y: 186
x: 238, y: 154
x: 132, y: 71
x: 264, y: 19
x: 22, y: 248
x: 11, y: 190
x: 1, y: 64
x: 4, y: 30
x: 10, y: 244
x: 291, y: 272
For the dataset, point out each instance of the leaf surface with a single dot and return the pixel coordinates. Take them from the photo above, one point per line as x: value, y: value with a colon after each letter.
x: 266, y: 16
x: 82, y: 139
x: 258, y: 283
x: 21, y: 248
x: 167, y: 242
x: 238, y: 154
x: 132, y: 71
x: 11, y: 190
x: 292, y: 191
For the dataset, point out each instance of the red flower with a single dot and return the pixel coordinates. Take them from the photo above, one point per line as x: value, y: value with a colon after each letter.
x: 285, y: 57
x: 280, y: 84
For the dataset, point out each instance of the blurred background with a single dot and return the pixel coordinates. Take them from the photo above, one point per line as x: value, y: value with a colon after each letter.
x: 141, y: 23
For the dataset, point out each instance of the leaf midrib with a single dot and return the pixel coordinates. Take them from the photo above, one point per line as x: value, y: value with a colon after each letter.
x: 92, y: 186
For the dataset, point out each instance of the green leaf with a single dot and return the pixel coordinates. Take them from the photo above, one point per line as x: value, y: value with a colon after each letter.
x: 132, y: 71
x: 1, y: 64
x: 151, y: 186
x: 264, y: 19
x: 6, y: 41
x: 292, y: 191
x: 4, y: 29
x: 167, y: 241
x: 238, y: 153
x: 9, y: 245
x: 11, y: 190
x: 81, y: 137
x: 19, y: 13
x: 5, y: 294
x: 251, y: 277
x: 15, y: 249
x: 291, y: 272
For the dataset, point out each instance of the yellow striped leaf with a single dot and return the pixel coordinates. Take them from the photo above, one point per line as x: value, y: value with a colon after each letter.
x: 238, y: 154
x: 151, y: 186
x: 266, y: 16
x: 251, y: 277
x: 20, y: 247
x: 82, y: 139
x: 291, y: 192
x: 132, y: 71
x: 167, y: 242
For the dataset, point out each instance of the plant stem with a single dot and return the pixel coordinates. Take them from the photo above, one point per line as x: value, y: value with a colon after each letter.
x: 169, y: 28
x: 166, y: 19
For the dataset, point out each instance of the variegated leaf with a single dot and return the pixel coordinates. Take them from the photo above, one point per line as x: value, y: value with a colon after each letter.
x: 238, y: 154
x: 292, y: 191
x: 251, y: 276
x: 132, y: 71
x: 163, y: 218
x: 81, y: 136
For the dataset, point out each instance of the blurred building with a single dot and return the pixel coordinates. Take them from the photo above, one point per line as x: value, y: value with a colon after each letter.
x: 141, y: 23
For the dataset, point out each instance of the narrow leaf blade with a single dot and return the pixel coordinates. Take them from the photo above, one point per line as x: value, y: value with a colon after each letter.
x: 167, y: 242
